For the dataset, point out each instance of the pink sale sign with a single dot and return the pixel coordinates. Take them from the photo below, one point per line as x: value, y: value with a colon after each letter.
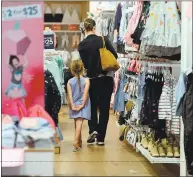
x: 22, y: 52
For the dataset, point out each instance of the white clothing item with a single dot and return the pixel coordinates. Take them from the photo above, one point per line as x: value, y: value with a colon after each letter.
x: 67, y: 18
x: 75, y: 55
x: 66, y: 57
x: 48, y: 10
x: 75, y: 18
x: 59, y: 11
x: 53, y: 8
x: 45, y: 7
x: 64, y: 41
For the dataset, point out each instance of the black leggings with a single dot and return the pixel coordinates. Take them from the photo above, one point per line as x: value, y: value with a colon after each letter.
x: 100, y: 92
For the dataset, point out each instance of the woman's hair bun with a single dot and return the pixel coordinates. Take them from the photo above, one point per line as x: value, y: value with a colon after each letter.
x: 89, y: 24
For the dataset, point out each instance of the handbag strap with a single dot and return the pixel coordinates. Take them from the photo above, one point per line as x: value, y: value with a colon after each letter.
x: 104, y: 46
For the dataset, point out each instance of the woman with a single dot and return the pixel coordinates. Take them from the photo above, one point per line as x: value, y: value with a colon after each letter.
x: 101, y: 82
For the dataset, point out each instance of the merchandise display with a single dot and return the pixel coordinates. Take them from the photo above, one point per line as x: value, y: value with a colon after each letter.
x: 134, y: 27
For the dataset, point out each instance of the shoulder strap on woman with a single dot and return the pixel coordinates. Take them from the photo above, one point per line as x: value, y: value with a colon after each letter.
x: 103, y: 42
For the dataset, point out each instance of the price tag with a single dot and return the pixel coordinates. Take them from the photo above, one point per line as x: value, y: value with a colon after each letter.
x: 21, y: 12
x: 48, y: 41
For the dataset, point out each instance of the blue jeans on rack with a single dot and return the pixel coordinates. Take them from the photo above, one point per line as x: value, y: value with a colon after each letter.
x: 140, y: 92
x: 119, y: 102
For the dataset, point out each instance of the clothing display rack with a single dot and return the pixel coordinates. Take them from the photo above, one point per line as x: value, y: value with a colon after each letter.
x: 150, y: 62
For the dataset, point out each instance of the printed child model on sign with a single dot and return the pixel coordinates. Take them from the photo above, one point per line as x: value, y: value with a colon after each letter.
x: 16, y: 88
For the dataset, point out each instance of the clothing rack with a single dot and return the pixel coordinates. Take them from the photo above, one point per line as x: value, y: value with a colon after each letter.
x: 105, y: 13
x: 164, y: 64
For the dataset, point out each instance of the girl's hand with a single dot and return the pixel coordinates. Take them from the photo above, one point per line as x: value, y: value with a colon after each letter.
x: 79, y: 107
x: 74, y: 108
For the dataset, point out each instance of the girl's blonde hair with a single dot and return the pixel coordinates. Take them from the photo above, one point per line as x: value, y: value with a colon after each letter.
x: 77, y: 68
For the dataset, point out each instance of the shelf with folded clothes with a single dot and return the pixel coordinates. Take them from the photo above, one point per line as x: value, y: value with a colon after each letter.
x: 152, y: 159
x: 25, y: 130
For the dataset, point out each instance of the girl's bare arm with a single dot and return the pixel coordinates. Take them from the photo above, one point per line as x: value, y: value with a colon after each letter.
x: 70, y: 100
x: 86, y: 92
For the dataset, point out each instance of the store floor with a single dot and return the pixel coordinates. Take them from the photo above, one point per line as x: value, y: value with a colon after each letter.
x: 114, y: 159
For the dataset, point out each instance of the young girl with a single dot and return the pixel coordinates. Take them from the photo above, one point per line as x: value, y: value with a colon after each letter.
x: 79, y: 101
x: 16, y: 89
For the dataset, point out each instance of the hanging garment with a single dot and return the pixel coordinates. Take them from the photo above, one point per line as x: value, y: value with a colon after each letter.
x: 66, y: 57
x: 54, y: 69
x: 119, y: 101
x: 75, y: 55
x: 48, y: 16
x: 165, y: 102
x: 141, y: 25
x: 75, y: 17
x: 133, y: 22
x: 52, y: 96
x: 65, y: 41
x: 67, y: 18
x: 118, y: 17
x: 58, y: 16
x: 188, y: 124
x: 123, y: 23
x: 167, y: 106
x: 181, y: 88
x: 116, y: 83
x: 162, y: 36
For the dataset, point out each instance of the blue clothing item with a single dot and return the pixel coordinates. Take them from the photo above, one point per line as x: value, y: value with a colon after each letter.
x: 7, y: 126
x: 8, y: 133
x: 119, y: 102
x: 140, y: 91
x: 180, y: 91
x: 59, y: 133
x: 42, y: 123
x: 22, y: 92
x: 8, y: 142
x: 126, y: 15
x: 77, y: 95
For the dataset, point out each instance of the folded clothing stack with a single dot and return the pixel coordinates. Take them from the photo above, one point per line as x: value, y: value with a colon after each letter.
x: 29, y: 129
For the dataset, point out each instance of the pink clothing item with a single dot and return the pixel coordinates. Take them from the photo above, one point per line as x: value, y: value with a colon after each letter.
x: 133, y: 22
x: 38, y: 111
x: 179, y: 4
x: 6, y: 119
x: 12, y: 157
x: 27, y: 123
x: 189, y: 9
x: 14, y: 108
x: 116, y: 82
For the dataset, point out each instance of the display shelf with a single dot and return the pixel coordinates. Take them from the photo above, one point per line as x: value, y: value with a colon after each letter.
x: 146, y: 154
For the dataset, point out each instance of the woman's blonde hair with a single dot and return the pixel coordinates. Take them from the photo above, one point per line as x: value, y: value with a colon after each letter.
x: 77, y: 68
